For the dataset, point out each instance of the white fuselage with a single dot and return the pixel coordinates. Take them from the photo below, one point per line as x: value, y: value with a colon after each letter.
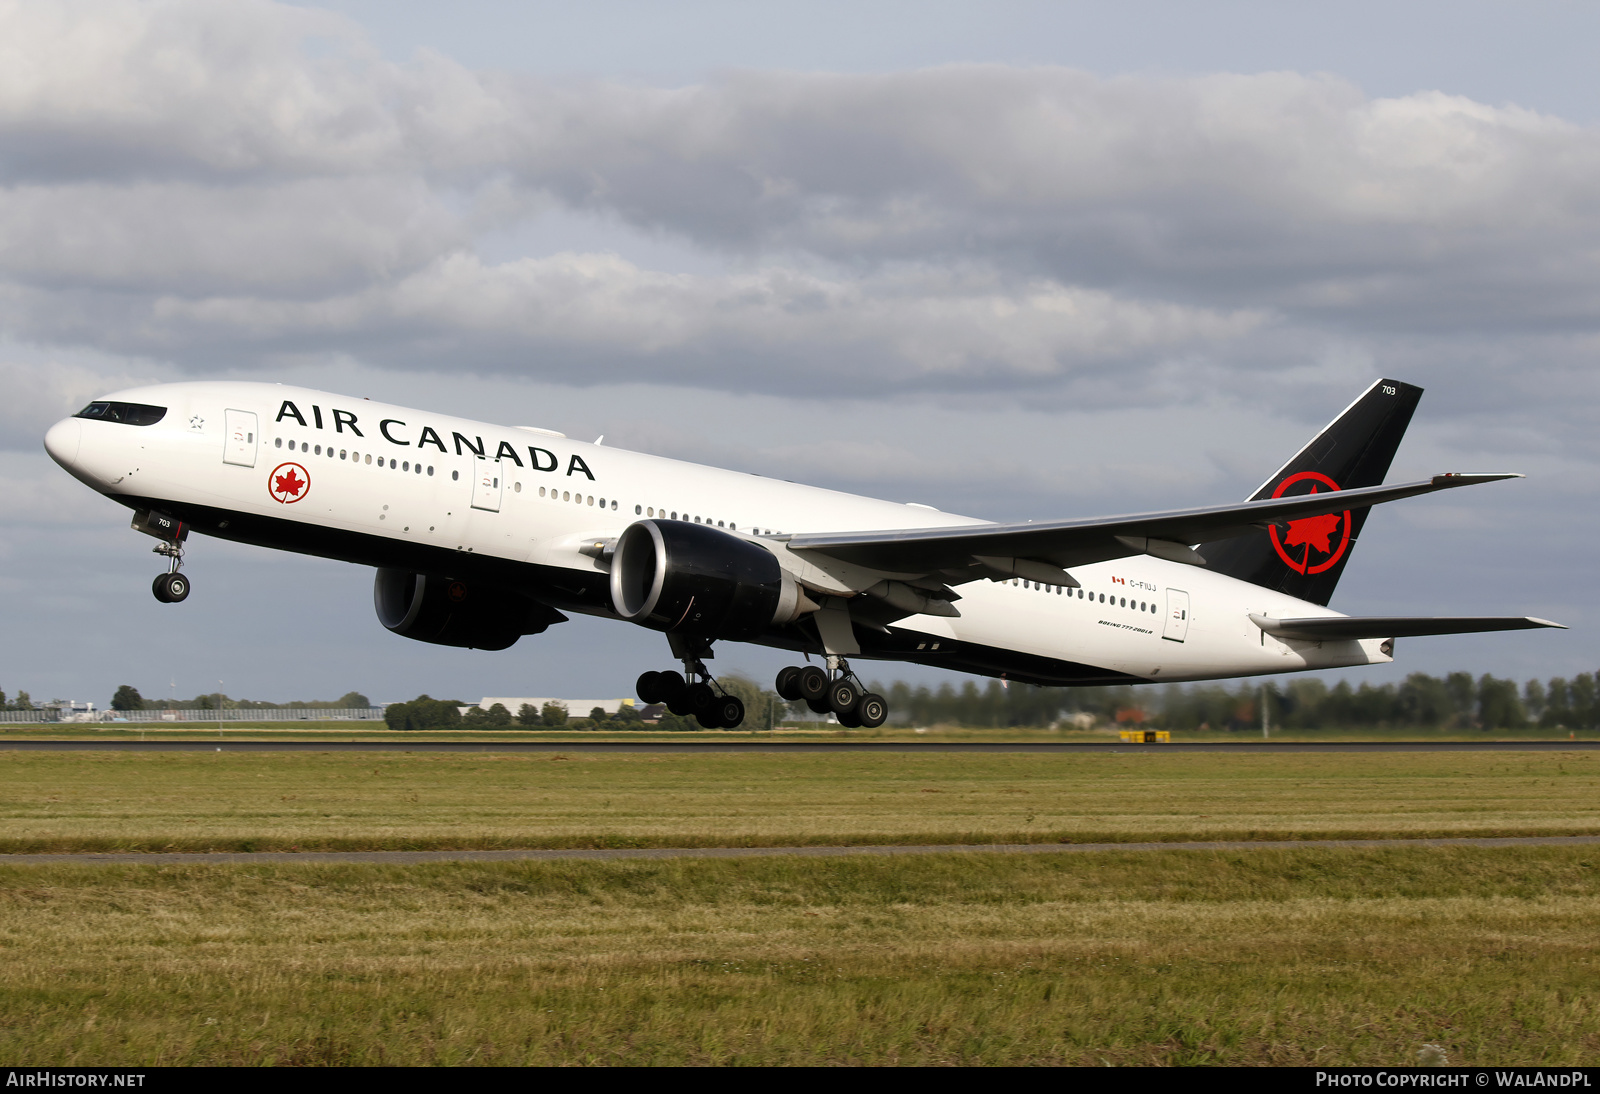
x: 428, y: 485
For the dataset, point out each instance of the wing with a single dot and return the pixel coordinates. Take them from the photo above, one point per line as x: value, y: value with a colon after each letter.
x: 1044, y: 551
x: 1338, y: 627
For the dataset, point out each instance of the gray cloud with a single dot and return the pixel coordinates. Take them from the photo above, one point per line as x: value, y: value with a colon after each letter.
x: 293, y: 240
x: 119, y: 90
x: 599, y: 317
x: 195, y: 176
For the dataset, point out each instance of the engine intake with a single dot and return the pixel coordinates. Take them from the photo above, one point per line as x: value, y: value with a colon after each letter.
x: 670, y: 575
x: 455, y: 612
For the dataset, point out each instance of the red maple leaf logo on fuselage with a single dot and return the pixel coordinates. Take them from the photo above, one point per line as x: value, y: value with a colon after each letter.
x: 288, y: 483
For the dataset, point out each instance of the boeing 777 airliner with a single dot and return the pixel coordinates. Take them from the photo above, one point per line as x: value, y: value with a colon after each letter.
x: 481, y: 534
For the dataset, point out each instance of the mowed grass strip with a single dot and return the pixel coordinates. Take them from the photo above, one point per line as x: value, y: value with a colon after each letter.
x: 1300, y: 956
x: 226, y: 801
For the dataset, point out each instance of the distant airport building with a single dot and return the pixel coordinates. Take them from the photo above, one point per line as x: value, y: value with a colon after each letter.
x: 576, y: 708
x: 71, y: 710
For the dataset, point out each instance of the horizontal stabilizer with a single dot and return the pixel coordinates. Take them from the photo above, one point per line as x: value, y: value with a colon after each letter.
x: 1340, y: 627
x: 970, y: 551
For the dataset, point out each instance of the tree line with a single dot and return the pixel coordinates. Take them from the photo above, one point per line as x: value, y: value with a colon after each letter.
x: 762, y: 708
x: 127, y: 697
x: 1457, y: 700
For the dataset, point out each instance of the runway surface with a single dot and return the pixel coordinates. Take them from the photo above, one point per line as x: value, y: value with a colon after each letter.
x: 792, y: 746
x: 692, y: 747
x: 404, y: 858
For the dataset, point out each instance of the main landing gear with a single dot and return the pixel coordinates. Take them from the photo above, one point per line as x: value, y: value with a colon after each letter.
x: 693, y: 692
x: 835, y: 690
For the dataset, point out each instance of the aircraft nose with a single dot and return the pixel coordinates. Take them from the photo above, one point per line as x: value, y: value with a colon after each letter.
x: 62, y: 441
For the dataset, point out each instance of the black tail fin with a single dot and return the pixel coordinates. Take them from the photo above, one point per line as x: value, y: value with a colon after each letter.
x: 1306, y: 559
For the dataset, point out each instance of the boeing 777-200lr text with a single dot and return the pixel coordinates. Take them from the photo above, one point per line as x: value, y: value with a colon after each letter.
x: 481, y: 534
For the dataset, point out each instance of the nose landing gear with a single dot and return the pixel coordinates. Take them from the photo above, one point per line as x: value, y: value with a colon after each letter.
x: 170, y: 587
x: 837, y: 691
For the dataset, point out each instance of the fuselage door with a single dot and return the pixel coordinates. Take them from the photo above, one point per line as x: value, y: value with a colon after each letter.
x: 239, y: 445
x: 486, y: 486
x: 1177, y: 628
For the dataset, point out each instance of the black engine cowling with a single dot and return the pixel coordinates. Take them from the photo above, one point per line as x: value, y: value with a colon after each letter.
x: 455, y: 612
x: 692, y: 579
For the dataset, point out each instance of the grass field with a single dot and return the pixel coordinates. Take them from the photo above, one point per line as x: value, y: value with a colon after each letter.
x: 800, y: 731
x: 1303, y: 956
x: 54, y: 801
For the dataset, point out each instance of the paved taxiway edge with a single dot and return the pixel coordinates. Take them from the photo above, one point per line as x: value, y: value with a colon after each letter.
x: 701, y: 747
x: 407, y: 858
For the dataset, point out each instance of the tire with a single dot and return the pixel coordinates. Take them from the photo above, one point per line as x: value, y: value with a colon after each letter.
x: 648, y: 687
x: 708, y: 719
x: 671, y: 687
x: 729, y: 711
x: 843, y: 696
x: 872, y: 710
x: 788, y: 684
x: 158, y: 587
x: 812, y: 682
x: 818, y: 706
x: 669, y: 683
x: 175, y: 589
x: 849, y: 720
x: 700, y: 699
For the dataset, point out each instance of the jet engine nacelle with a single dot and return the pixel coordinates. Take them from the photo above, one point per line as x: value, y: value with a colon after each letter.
x: 456, y: 612
x: 693, y: 579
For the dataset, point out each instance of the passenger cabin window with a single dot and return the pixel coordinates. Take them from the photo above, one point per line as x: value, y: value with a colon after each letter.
x: 125, y: 413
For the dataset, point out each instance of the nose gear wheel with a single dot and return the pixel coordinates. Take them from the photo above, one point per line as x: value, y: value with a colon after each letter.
x: 171, y: 587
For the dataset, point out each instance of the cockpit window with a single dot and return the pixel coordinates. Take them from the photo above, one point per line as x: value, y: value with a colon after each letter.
x: 126, y: 413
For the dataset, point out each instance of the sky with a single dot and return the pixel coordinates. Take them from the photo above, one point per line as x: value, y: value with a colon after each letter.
x: 1015, y: 260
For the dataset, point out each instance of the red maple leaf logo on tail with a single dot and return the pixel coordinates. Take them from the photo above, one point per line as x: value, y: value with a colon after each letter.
x: 1313, y: 531
x: 289, y: 484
